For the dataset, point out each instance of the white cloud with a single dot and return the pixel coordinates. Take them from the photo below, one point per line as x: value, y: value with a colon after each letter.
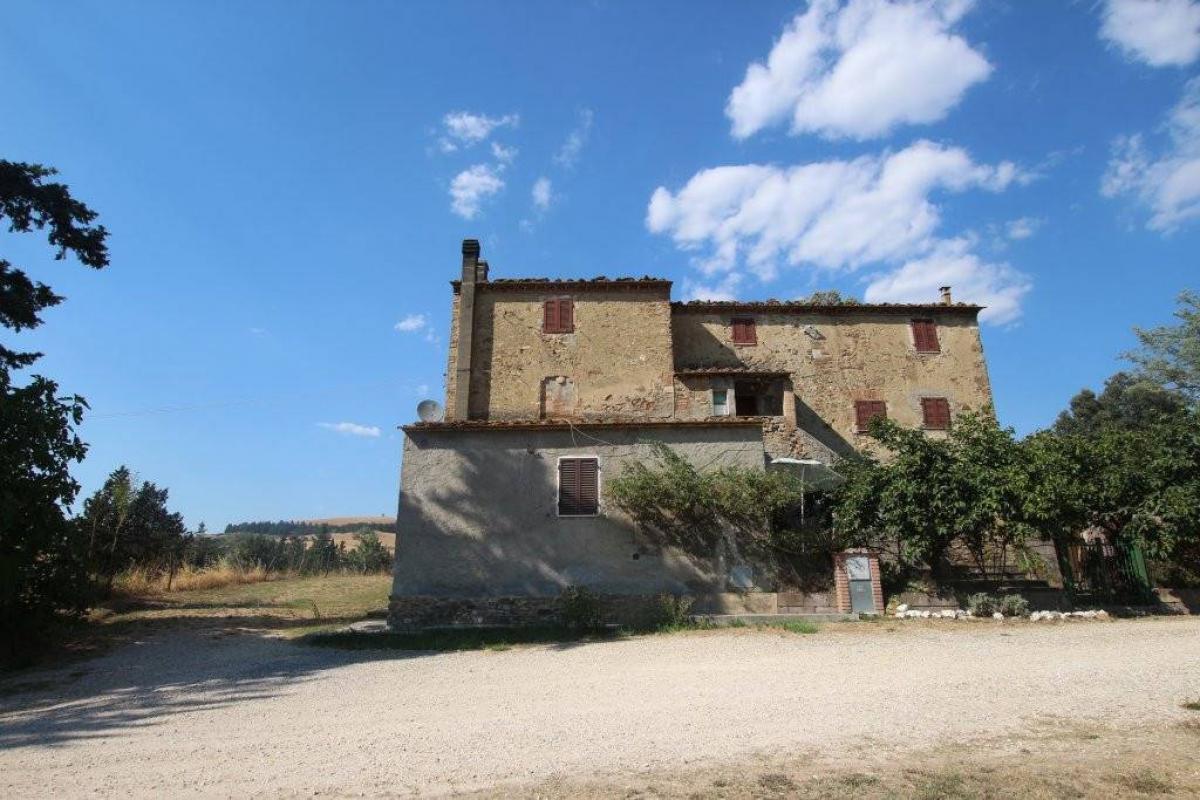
x: 950, y: 263
x: 1022, y: 228
x: 1160, y: 33
x: 860, y: 70
x: 471, y: 187
x: 505, y: 155
x: 1167, y: 184
x: 542, y: 193
x: 466, y: 129
x: 723, y: 289
x: 568, y: 154
x: 412, y: 323
x: 832, y: 214
x: 837, y: 215
x: 351, y: 429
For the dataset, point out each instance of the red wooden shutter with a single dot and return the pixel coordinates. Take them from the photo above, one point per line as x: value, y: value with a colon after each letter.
x: 744, y: 332
x: 867, y: 410
x: 936, y: 413
x: 925, y: 336
x: 558, y: 315
x: 578, y: 486
x: 566, y: 314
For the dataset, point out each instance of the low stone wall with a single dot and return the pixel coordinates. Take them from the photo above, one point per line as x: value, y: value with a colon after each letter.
x: 1179, y: 601
x: 423, y: 611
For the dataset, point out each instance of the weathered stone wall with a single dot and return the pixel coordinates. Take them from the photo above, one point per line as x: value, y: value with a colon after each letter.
x: 618, y: 360
x: 478, y: 513
x: 852, y: 356
x: 452, y: 359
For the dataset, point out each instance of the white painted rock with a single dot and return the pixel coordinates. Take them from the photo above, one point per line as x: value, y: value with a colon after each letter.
x: 900, y: 609
x: 997, y: 615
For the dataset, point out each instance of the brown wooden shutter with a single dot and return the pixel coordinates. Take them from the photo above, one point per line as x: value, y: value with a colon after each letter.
x: 743, y: 331
x: 566, y: 314
x: 558, y: 315
x: 925, y: 336
x: 936, y: 413
x: 867, y: 410
x: 578, y: 486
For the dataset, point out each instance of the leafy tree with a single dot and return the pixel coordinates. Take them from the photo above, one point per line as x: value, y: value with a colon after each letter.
x: 703, y: 512
x: 129, y: 525
x: 41, y: 555
x: 1170, y: 354
x: 829, y: 297
x: 369, y: 555
x: 932, y: 493
x: 1128, y: 402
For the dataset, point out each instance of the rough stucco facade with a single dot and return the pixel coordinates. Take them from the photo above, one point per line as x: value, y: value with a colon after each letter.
x: 615, y: 366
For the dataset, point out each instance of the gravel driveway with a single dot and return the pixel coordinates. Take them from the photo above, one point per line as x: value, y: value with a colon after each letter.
x: 233, y: 715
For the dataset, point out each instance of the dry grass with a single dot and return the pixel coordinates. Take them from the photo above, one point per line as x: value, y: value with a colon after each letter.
x: 145, y: 583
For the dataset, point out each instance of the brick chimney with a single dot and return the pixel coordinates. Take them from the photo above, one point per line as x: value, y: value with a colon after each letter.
x: 473, y: 271
x: 946, y: 298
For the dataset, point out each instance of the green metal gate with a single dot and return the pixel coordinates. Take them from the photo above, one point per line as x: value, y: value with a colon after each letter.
x: 1099, y: 572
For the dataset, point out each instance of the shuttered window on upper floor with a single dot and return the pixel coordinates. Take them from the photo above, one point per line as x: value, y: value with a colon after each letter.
x: 867, y: 410
x: 558, y: 315
x: 935, y: 413
x: 578, y: 487
x: 925, y: 336
x: 743, y: 331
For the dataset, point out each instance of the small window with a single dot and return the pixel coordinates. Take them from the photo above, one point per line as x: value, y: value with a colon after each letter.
x: 578, y: 487
x: 743, y: 331
x: 720, y: 402
x: 925, y: 337
x: 558, y: 315
x: 935, y: 412
x: 867, y: 410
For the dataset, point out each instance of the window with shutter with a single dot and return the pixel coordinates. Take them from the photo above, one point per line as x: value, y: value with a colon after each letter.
x: 925, y: 337
x: 936, y: 413
x: 558, y: 315
x: 743, y: 331
x: 867, y: 410
x: 578, y: 487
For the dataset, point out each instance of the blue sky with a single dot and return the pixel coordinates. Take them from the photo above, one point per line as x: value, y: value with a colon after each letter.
x: 287, y: 183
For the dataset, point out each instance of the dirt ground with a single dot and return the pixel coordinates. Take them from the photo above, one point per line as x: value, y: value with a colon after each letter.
x: 1082, y: 709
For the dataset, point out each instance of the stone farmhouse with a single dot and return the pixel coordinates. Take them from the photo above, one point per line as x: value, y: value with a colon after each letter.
x: 552, y: 385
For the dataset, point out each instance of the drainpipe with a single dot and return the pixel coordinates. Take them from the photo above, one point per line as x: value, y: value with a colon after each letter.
x: 466, y: 326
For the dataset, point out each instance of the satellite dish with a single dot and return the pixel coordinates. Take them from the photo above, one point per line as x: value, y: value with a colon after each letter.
x: 430, y: 411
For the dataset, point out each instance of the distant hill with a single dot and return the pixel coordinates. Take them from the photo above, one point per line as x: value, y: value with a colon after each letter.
x: 340, y: 529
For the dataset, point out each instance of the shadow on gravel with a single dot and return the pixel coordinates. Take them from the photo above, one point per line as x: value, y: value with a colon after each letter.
x: 153, y: 670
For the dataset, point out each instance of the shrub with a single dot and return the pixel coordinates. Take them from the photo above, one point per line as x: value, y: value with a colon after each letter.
x: 580, y: 609
x: 1013, y: 605
x: 982, y: 604
x: 673, y: 611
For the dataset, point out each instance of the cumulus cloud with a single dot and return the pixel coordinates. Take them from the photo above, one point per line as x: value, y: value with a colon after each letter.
x: 1166, y: 183
x: 568, y: 154
x: 951, y: 263
x: 471, y: 187
x: 860, y: 70
x: 542, y: 193
x: 504, y: 155
x: 351, y: 429
x: 1022, y: 228
x: 835, y: 215
x: 412, y: 323
x: 1161, y: 33
x: 464, y: 129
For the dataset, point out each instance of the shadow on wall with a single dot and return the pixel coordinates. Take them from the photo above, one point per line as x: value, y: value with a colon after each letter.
x: 813, y: 424
x: 479, y: 516
x: 704, y: 349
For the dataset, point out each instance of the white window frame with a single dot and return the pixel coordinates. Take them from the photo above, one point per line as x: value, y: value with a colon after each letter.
x: 713, y: 401
x: 599, y: 486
